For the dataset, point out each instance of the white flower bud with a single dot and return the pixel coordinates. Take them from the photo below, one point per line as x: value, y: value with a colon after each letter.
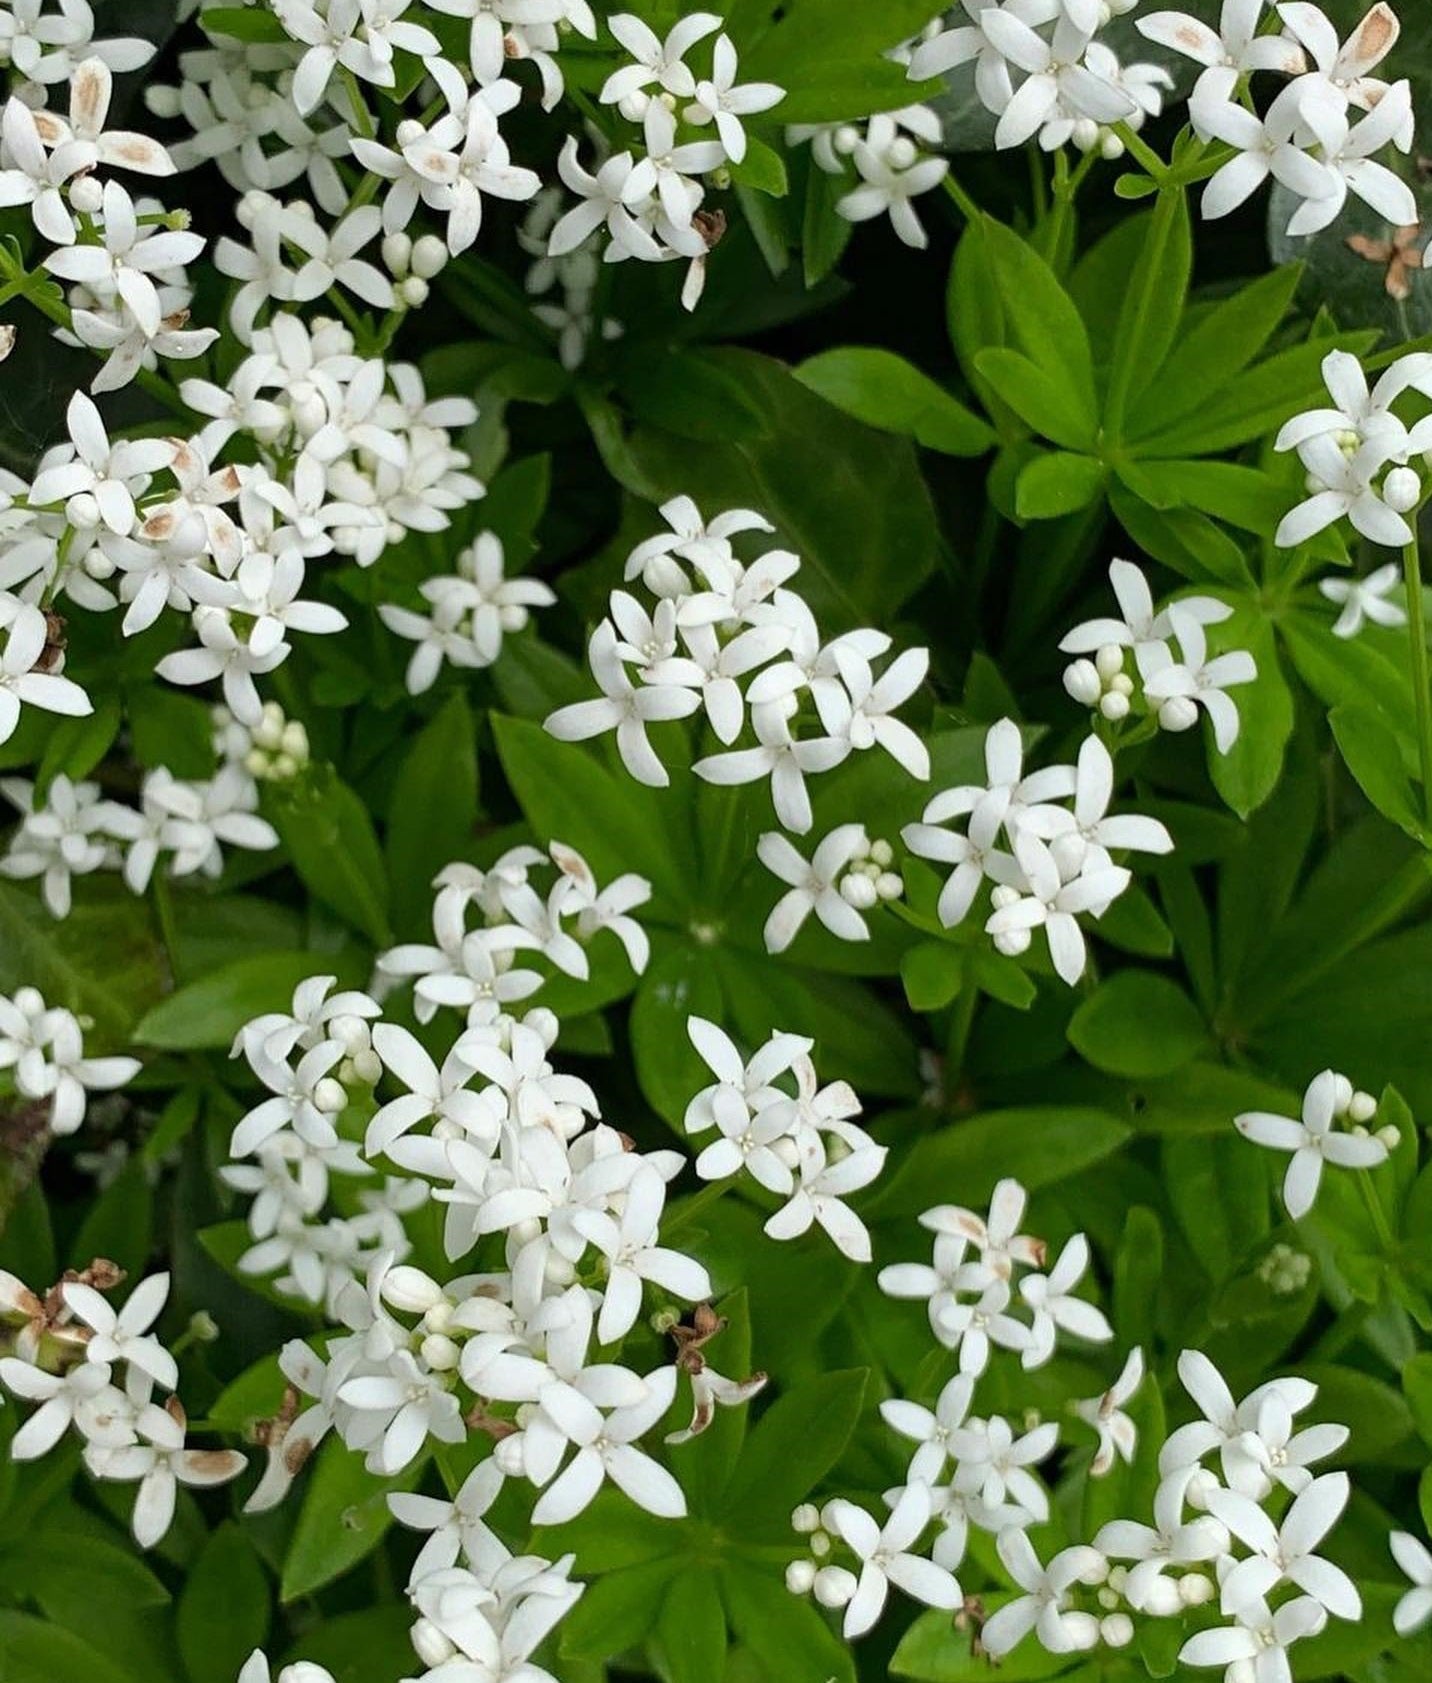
x: 1342, y: 1095
x: 845, y: 139
x: 439, y: 1316
x: 787, y: 1150
x: 367, y: 1067
x: 1012, y: 942
x: 1108, y: 1599
x: 397, y: 250
x: 440, y: 1352
x: 1117, y: 1631
x: 633, y: 106
x: 82, y: 511
x: 1081, y: 681
x: 284, y: 768
x: 1115, y: 706
x: 889, y: 886
x: 430, y: 257
x: 820, y: 1544
x: 29, y: 1000
x: 1401, y: 490
x: 1110, y: 146
x: 1161, y: 1598
x: 805, y: 1518
x: 1363, y: 1107
x: 1086, y: 134
x: 1003, y: 895
x: 834, y: 1586
x: 1121, y: 684
x: 1388, y: 1137
x: 1195, y: 1589
x: 269, y: 730
x: 294, y: 740
x: 256, y: 763
x: 800, y: 1576
x: 883, y: 854
x: 98, y: 565
x: 1109, y: 660
x: 1179, y: 712
x: 413, y: 292
x: 87, y: 194
x: 411, y: 1290
x: 1198, y: 1487
x: 329, y: 1097
x: 429, y: 1643
x: 559, y: 1271
x: 859, y: 891
x: 901, y: 153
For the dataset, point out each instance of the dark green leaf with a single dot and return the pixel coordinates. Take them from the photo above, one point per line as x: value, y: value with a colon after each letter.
x: 1138, y: 1023
x: 432, y: 811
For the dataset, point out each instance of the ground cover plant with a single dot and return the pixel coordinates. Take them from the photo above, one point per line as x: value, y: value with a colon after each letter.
x: 714, y: 863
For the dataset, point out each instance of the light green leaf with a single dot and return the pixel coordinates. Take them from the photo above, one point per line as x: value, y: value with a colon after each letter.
x: 329, y: 837
x: 1057, y: 483
x: 691, y: 1628
x: 791, y: 1448
x: 343, y: 1519
x: 210, y: 1012
x: 223, y: 1614
x: 1138, y: 1023
x: 886, y: 391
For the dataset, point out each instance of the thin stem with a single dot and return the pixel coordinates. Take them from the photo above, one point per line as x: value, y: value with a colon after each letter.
x: 966, y: 205
x: 1375, y: 1210
x: 1417, y: 637
x: 168, y: 930
x: 1142, y: 152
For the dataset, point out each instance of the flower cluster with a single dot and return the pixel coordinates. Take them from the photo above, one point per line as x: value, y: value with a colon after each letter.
x: 42, y: 1048
x: 890, y: 167
x: 1057, y: 864
x: 1169, y: 691
x: 1316, y: 1139
x: 801, y: 1146
x: 94, y: 1370
x: 1357, y: 453
x: 75, y: 829
x: 728, y: 638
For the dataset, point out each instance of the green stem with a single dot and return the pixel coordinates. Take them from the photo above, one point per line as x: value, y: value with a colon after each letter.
x: 965, y: 204
x: 1142, y: 153
x: 1379, y: 1216
x: 1121, y: 376
x: 168, y: 931
x: 1417, y: 637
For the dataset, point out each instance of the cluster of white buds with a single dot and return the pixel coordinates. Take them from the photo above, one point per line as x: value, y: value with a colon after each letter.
x: 413, y: 264
x: 277, y: 749
x: 891, y: 169
x: 1101, y: 683
x: 847, y: 875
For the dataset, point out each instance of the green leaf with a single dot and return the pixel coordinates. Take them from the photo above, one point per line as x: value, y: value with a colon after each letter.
x: 1042, y: 319
x: 704, y: 1465
x: 1218, y: 1187
x: 36, y: 1651
x: 830, y: 60
x: 609, y: 1535
x: 343, y: 1519
x: 763, y: 169
x: 785, y: 1632
x: 1042, y: 401
x: 1379, y: 1419
x: 76, y: 746
x: 825, y: 233
x: 790, y: 1450
x: 102, y: 961
x: 1372, y: 753
x: 1153, y: 300
x: 681, y: 983
x: 691, y: 1628
x: 240, y: 23
x: 848, y: 500
x: 330, y: 840
x: 1138, y: 1277
x: 933, y: 973
x: 886, y: 391
x: 119, y: 1224
x: 694, y: 394
x: 1246, y: 775
x: 1037, y: 1145
x: 1138, y: 1023
x: 1057, y: 483
x: 167, y: 728
x: 1182, y: 538
x: 618, y: 1610
x: 207, y: 1014
x: 223, y: 1613
x: 1219, y: 344
x: 432, y: 810
x: 1417, y: 1388
x: 357, y: 1647
x: 567, y: 796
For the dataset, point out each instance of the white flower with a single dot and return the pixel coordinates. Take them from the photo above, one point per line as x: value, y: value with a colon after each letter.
x: 781, y: 757
x: 628, y: 1243
x: 1367, y: 414
x: 992, y: 1463
x: 123, y: 1335
x: 23, y: 681
x: 126, y: 264
x: 932, y: 1429
x: 1055, y: 1307
x: 1258, y: 1644
x: 867, y: 719
x: 98, y: 470
x: 38, y: 178
x: 819, y: 1198
x: 1054, y: 903
x: 1196, y: 681
x: 1117, y: 1433
x: 974, y: 1327
x: 305, y: 1098
x: 1345, y: 163
x: 626, y: 709
x: 1041, y: 1608
x: 1364, y: 599
x: 1001, y: 1245
x: 1283, y: 1553
x: 61, y: 1397
x: 1141, y: 629
x: 408, y: 1404
x: 666, y: 169
x: 719, y: 100
x: 1171, y: 1540
x: 606, y: 1448
x: 602, y: 201
x: 1057, y: 79
x: 892, y: 173
x: 66, y: 837
x: 1314, y: 1140
x: 885, y: 1558
x: 813, y: 886
x: 46, y: 1048
x: 1273, y: 1453
x: 256, y: 1670
x: 160, y: 1462
x: 1342, y: 485
x: 457, y: 1527
x: 1225, y: 1424
x: 662, y: 62
x: 359, y: 35
x: 1234, y: 45
x: 1415, y: 1607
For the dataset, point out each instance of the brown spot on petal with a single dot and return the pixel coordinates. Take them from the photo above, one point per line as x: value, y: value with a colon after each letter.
x: 1375, y: 34
x: 711, y: 225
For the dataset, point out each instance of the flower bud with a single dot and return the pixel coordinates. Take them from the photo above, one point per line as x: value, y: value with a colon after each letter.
x: 413, y: 292
x: 98, y: 565
x: 1086, y: 134
x: 1195, y: 1589
x: 1012, y: 942
x: 1161, y: 1598
x: 430, y: 257
x: 859, y: 891
x: 1117, y: 1631
x: 508, y: 1454
x: 845, y: 139
x: 367, y: 1067
x: 1121, y: 684
x: 882, y: 854
x: 397, y: 250
x: 1196, y: 1492
x: 1115, y: 706
x: 834, y: 1586
x: 1111, y: 147
x: 633, y: 105
x: 411, y: 1290
x: 1081, y: 681
x: 329, y: 1096
x: 86, y: 194
x: 820, y: 1544
x: 800, y: 1576
x: 429, y: 1643
x: 1179, y: 712
x: 1342, y: 1095
x: 1401, y: 490
x: 1388, y: 1136
x: 889, y: 886
x: 1109, y: 661
x: 805, y: 1518
x: 901, y: 153
x: 440, y: 1352
x: 82, y: 511
x: 1363, y: 1107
